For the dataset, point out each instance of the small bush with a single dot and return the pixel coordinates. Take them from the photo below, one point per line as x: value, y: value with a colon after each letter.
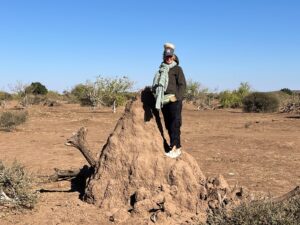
x: 80, y: 91
x: 259, y: 213
x: 234, y: 99
x: 194, y: 91
x: 30, y: 99
x: 36, y: 88
x: 287, y: 91
x: 9, y: 120
x: 230, y: 99
x: 5, y: 96
x: 15, y: 187
x: 199, y: 95
x: 260, y: 102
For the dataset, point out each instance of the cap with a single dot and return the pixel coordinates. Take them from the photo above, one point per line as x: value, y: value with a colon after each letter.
x: 168, y: 52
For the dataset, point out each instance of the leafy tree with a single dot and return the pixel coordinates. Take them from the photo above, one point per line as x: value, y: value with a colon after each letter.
x: 104, y: 91
x: 36, y: 88
x: 287, y: 91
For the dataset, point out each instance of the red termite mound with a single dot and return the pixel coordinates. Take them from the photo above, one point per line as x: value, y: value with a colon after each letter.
x: 135, y: 183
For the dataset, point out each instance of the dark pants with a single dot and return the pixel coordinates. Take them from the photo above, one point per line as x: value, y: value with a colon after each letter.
x: 172, y: 117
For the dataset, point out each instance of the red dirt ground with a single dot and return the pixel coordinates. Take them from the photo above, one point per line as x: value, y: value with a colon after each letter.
x: 258, y: 151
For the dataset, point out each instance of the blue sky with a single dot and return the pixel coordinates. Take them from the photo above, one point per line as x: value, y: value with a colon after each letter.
x: 219, y: 43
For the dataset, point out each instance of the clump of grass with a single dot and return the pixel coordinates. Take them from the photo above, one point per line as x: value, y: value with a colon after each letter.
x: 259, y: 213
x: 9, y: 120
x: 15, y: 187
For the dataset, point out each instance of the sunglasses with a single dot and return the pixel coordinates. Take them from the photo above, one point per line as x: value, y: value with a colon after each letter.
x: 168, y: 57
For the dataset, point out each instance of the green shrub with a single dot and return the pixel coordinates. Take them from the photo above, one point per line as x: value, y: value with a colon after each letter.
x: 234, y: 99
x: 15, y: 187
x: 229, y: 99
x: 36, y: 88
x: 9, y: 120
x: 103, y: 91
x: 80, y: 91
x: 259, y: 213
x: 260, y: 102
x: 199, y: 95
x: 286, y: 90
x: 5, y: 96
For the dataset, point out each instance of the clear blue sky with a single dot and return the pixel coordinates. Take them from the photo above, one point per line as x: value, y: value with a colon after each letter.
x: 220, y: 43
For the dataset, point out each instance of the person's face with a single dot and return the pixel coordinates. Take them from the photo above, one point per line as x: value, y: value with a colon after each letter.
x: 169, y: 59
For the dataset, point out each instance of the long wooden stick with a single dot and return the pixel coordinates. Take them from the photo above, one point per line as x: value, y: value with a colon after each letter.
x: 63, y: 174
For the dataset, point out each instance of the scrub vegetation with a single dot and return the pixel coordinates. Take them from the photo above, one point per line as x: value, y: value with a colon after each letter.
x: 9, y: 120
x: 259, y: 213
x: 15, y: 187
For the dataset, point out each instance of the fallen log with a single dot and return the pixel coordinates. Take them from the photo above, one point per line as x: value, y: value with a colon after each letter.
x: 60, y: 175
x: 78, y: 140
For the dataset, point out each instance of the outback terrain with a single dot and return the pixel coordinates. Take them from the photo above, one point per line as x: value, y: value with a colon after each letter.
x: 256, y: 151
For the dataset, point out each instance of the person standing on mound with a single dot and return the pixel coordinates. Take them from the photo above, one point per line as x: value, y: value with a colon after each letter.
x: 169, y: 86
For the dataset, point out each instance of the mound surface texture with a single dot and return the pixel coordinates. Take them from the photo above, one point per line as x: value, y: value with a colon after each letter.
x: 135, y: 183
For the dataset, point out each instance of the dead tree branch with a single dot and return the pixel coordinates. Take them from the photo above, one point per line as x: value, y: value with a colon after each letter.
x: 78, y: 141
x: 290, y: 194
x: 60, y: 175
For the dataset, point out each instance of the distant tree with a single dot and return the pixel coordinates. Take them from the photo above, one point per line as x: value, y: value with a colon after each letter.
x: 36, y: 88
x: 287, y: 91
x: 104, y: 91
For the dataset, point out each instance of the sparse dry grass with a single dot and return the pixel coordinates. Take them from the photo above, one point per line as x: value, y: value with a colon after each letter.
x: 15, y: 187
x: 260, y: 213
x: 9, y: 119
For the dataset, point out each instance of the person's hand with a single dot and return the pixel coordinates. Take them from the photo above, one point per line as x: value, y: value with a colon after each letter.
x: 173, y: 98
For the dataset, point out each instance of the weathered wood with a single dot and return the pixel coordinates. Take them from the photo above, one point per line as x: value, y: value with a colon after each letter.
x: 64, y: 174
x: 5, y: 198
x: 290, y: 194
x: 78, y: 141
